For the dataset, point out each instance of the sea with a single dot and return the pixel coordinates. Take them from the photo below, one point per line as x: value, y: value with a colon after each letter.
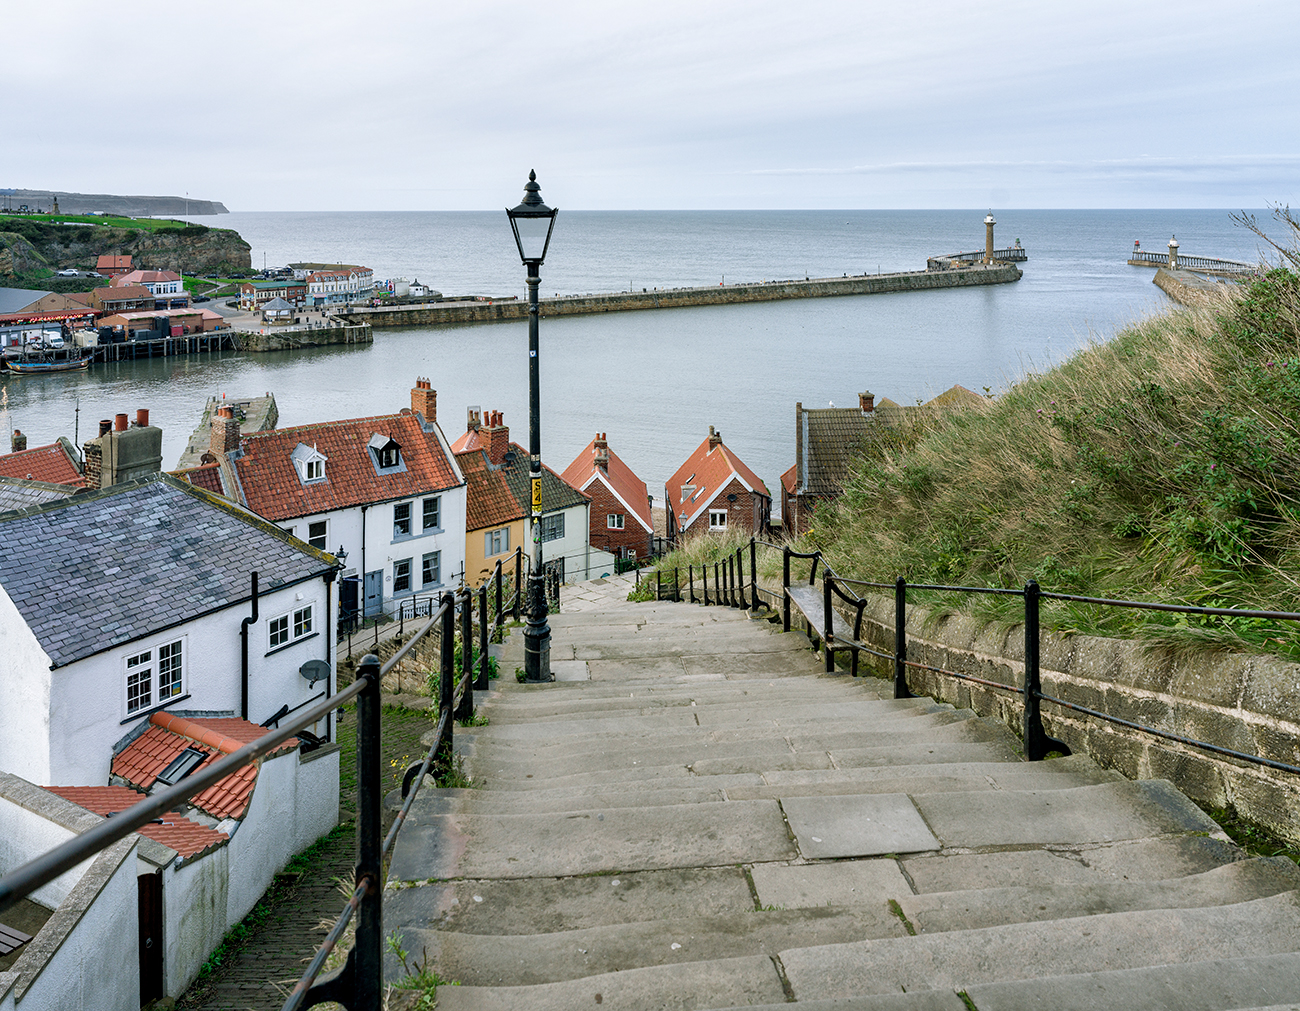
x: 655, y: 381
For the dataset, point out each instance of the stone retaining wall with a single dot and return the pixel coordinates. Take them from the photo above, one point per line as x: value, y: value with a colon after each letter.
x: 450, y: 314
x: 291, y: 340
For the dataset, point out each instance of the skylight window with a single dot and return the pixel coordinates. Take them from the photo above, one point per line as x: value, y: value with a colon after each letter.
x: 181, y: 766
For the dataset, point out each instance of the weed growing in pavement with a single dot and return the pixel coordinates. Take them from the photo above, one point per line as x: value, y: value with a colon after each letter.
x: 456, y: 778
x: 419, y: 975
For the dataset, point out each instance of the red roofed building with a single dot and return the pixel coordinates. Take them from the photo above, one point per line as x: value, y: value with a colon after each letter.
x: 714, y: 491
x: 57, y: 463
x: 621, y: 521
x: 188, y: 838
x: 385, y: 489
x: 113, y: 266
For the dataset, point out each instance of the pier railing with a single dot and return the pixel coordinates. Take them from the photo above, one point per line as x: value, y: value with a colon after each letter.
x: 729, y: 590
x: 359, y: 984
x: 1151, y: 258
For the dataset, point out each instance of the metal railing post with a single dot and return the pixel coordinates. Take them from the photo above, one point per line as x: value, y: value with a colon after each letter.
x: 828, y: 622
x: 368, y: 947
x: 753, y: 574
x: 740, y: 579
x: 717, y: 586
x: 446, y: 678
x: 677, y: 592
x: 498, y: 619
x: 659, y: 585
x: 1037, y: 743
x: 481, y: 679
x: 690, y: 581
x: 704, y: 578
x: 901, y: 691
x: 465, y: 710
x: 785, y: 588
x: 518, y: 578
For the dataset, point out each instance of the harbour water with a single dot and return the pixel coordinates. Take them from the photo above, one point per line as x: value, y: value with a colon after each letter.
x: 655, y: 381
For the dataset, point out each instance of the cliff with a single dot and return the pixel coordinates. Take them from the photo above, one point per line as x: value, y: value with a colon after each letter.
x: 30, y: 246
x: 87, y: 203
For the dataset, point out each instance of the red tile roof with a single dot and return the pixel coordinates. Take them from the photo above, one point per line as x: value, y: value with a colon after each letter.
x: 618, y: 478
x: 471, y: 440
x: 50, y: 463
x: 709, y: 470
x: 270, y: 483
x: 789, y: 480
x: 206, y: 476
x: 108, y: 261
x: 186, y: 837
x: 140, y: 762
x: 145, y: 277
x: 489, y: 502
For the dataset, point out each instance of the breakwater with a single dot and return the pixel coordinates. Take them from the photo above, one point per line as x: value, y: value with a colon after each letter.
x: 457, y: 313
x: 272, y: 338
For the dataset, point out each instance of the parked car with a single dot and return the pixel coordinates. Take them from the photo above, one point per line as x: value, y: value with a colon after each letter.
x: 202, y: 298
x: 54, y: 342
x: 69, y: 273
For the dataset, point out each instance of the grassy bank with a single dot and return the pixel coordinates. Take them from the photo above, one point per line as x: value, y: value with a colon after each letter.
x: 1161, y: 465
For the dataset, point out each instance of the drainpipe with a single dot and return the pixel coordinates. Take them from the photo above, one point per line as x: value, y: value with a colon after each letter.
x: 329, y: 637
x: 243, y: 653
x: 362, y: 585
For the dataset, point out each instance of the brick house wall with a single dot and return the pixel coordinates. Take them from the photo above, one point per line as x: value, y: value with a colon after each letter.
x: 749, y: 512
x: 633, y: 536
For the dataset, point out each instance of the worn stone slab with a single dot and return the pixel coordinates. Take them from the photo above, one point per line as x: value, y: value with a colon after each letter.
x: 530, y: 959
x: 1134, y: 860
x: 1266, y: 981
x: 966, y: 958
x: 570, y: 670
x: 483, y: 799
x: 925, y: 1000
x: 969, y: 909
x: 692, y: 986
x: 831, y: 827
x: 845, y: 883
x: 1103, y: 813
x: 543, y: 905
x: 619, y: 839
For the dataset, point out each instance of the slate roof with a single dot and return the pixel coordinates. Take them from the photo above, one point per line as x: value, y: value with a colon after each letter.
x: 140, y: 762
x: 53, y: 463
x: 556, y: 494
x: 489, y: 502
x: 16, y: 493
x: 107, y: 567
x: 270, y: 484
x: 618, y: 478
x: 186, y: 837
x: 18, y: 299
x: 833, y: 437
x: 709, y: 470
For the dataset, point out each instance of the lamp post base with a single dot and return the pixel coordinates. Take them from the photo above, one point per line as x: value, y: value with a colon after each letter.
x: 537, y: 636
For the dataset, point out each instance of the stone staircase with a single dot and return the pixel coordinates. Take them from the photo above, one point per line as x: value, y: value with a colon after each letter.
x: 697, y: 818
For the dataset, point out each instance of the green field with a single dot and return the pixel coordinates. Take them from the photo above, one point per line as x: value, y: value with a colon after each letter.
x: 112, y: 221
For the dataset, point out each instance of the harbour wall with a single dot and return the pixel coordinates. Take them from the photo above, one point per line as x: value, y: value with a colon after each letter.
x: 271, y: 339
x: 456, y: 313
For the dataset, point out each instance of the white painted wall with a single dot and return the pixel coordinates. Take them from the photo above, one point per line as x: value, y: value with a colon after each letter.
x: 88, y: 698
x: 573, y: 545
x: 25, y: 835
x: 24, y: 698
x: 195, y: 903
x: 262, y: 843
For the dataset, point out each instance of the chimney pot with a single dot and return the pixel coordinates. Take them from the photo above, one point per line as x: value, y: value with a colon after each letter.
x: 424, y: 400
x: 120, y: 422
x: 867, y: 401
x: 498, y: 438
x: 18, y: 442
x: 715, y: 438
x: 142, y: 417
x: 105, y: 426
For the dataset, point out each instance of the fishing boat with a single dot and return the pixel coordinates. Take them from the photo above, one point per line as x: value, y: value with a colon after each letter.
x: 25, y: 366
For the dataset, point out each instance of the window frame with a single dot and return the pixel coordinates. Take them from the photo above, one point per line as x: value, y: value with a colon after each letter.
x: 610, y: 519
x: 323, y: 538
x: 502, y: 534
x: 436, y: 502
x: 296, y: 625
x: 714, y: 515
x: 152, y: 665
x: 398, y: 575
x: 398, y: 532
x: 437, y: 569
x: 548, y: 525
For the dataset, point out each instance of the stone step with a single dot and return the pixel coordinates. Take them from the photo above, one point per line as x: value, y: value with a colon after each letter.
x: 581, y: 696
x: 932, y: 753
x: 529, y: 959
x: 693, y: 985
x: 964, y: 959
x: 1237, y: 882
x: 620, y: 839
x: 1222, y: 984
x: 853, y: 706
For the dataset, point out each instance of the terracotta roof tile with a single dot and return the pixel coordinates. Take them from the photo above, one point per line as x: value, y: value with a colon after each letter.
x: 708, y: 471
x: 111, y: 262
x: 206, y: 476
x: 186, y: 837
x: 50, y: 463
x: 271, y: 487
x: 145, y: 277
x: 140, y: 762
x: 489, y: 502
x: 618, y: 477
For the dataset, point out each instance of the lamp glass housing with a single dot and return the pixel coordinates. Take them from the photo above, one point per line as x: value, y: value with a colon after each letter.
x: 532, y: 222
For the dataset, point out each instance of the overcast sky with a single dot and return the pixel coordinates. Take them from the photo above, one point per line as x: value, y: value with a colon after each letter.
x: 393, y: 105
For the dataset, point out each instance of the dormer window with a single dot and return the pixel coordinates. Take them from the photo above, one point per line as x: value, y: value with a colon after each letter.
x: 309, y: 462
x: 385, y: 454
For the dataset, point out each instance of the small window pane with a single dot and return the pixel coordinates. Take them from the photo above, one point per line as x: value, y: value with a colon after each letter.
x: 552, y: 527
x: 316, y: 534
x: 170, y: 671
x: 279, y: 631
x: 431, y: 569
x: 431, y: 513
x: 402, y: 575
x: 139, y: 682
x: 402, y: 519
x: 315, y: 470
x: 614, y: 521
x: 302, y: 623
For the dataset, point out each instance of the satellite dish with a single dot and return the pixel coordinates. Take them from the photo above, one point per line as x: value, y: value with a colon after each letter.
x: 315, y: 670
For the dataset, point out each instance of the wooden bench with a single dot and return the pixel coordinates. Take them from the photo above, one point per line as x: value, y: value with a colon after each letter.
x: 811, y: 603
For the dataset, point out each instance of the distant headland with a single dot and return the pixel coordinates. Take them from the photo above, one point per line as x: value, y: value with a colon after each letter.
x: 89, y: 203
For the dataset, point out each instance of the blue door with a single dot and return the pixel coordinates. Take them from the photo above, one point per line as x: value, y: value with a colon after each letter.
x: 374, y: 593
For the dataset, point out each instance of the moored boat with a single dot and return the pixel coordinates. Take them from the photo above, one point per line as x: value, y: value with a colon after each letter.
x: 34, y: 365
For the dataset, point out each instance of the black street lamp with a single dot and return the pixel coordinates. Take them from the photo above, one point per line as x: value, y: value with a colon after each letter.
x: 532, y: 222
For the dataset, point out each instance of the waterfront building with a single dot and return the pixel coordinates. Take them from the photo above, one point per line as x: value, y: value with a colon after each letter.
x: 254, y: 294
x: 113, y: 266
x: 385, y: 490
x: 335, y: 283
x: 120, y: 298
x: 713, y: 492
x: 499, y: 510
x: 621, y: 520
x: 166, y: 287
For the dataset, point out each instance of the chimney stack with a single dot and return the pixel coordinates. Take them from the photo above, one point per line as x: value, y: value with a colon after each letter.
x: 225, y: 432
x: 474, y: 421
x: 497, y: 438
x: 424, y: 400
x: 715, y: 439
x: 17, y: 442
x: 122, y: 452
x: 602, y: 452
x: 142, y: 417
x: 867, y: 402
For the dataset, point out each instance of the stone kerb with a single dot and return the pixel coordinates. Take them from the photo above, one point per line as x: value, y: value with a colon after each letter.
x: 1247, y: 703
